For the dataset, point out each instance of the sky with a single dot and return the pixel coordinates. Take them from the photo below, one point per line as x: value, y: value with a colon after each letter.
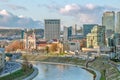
x: 31, y: 13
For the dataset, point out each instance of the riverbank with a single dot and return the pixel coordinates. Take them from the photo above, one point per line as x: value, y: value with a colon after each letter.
x: 107, y: 71
x: 15, y: 71
x: 18, y: 75
x: 66, y: 61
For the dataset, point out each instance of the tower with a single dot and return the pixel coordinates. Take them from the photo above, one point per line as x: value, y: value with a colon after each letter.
x: 52, y: 29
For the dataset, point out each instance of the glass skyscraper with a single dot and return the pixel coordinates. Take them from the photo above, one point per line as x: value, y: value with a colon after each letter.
x: 117, y: 29
x: 87, y: 28
x: 108, y: 20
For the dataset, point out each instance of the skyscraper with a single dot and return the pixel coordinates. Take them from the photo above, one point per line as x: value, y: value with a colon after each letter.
x: 108, y: 20
x: 67, y: 33
x: 74, y: 30
x: 52, y: 29
x: 87, y: 28
x: 117, y: 29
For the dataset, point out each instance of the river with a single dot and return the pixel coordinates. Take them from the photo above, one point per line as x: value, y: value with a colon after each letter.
x: 61, y: 72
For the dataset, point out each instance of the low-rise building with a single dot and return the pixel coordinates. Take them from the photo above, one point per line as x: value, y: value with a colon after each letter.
x: 74, y: 45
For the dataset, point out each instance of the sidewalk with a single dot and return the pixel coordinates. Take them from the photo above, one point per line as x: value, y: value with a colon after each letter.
x: 34, y: 74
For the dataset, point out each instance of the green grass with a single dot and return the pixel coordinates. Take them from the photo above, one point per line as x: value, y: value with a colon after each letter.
x: 18, y: 75
x: 102, y: 76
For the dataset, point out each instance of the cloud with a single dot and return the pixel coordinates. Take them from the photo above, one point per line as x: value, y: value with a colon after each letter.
x: 88, y: 13
x: 3, y: 0
x: 16, y: 7
x: 10, y: 20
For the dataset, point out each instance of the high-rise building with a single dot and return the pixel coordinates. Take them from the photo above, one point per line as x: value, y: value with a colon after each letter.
x: 52, y: 29
x: 87, y: 28
x: 74, y: 29
x: 108, y: 20
x: 117, y: 29
x: 67, y: 33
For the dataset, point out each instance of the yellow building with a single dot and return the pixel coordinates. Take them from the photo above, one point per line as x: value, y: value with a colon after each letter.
x: 97, y: 37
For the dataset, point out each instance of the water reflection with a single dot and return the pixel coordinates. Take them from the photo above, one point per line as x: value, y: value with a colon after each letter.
x: 61, y: 72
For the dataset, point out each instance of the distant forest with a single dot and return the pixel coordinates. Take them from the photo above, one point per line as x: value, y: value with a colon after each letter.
x: 9, y: 32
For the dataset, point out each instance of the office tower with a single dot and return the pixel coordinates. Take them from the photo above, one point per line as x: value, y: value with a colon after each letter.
x: 52, y: 29
x: 87, y: 28
x: 74, y: 30
x: 108, y: 20
x: 117, y: 30
x: 67, y: 33
x: 22, y: 34
x: 97, y: 37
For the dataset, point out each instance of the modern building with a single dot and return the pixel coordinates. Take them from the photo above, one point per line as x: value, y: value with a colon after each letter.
x: 108, y: 20
x: 117, y: 29
x: 97, y: 37
x: 22, y: 34
x: 74, y: 29
x: 52, y: 29
x: 87, y: 28
x: 2, y: 59
x: 67, y: 33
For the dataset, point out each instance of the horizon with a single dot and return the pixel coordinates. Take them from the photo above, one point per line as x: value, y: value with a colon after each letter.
x: 29, y: 14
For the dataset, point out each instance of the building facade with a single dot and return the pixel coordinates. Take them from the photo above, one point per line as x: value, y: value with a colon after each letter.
x: 87, y: 28
x: 2, y: 59
x: 67, y: 33
x: 74, y: 45
x: 117, y: 29
x: 108, y: 20
x: 30, y: 40
x: 52, y: 29
x: 97, y: 37
x: 74, y: 29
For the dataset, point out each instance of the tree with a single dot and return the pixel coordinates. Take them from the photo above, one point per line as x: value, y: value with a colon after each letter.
x: 25, y: 64
x: 47, y: 49
x: 14, y: 46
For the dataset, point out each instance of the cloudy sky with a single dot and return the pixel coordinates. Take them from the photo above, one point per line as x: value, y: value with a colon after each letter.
x: 31, y: 13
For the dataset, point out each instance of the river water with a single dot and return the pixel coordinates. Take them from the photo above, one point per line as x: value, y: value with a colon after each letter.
x: 61, y: 72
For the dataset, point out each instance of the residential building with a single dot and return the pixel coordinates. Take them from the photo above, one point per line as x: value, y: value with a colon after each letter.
x: 118, y: 23
x: 52, y: 29
x: 87, y: 28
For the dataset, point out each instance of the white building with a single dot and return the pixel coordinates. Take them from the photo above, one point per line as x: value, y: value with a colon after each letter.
x: 74, y: 30
x: 52, y: 29
x: 74, y: 45
x: 30, y: 40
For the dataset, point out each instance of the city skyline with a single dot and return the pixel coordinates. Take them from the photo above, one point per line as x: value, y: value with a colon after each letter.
x: 29, y: 14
